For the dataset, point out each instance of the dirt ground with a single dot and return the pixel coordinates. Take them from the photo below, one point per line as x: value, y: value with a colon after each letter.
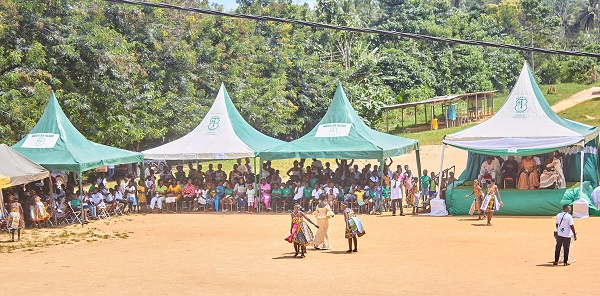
x: 240, y: 254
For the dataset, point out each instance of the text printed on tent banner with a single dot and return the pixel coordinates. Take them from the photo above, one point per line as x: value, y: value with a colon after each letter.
x: 331, y: 130
x: 40, y: 140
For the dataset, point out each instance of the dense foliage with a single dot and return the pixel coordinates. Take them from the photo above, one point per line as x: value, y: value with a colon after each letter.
x: 134, y: 77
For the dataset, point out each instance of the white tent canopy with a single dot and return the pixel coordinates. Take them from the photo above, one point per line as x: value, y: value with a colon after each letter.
x: 222, y: 134
x: 525, y: 124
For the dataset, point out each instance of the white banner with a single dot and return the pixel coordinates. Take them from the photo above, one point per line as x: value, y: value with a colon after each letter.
x: 332, y: 130
x: 40, y: 140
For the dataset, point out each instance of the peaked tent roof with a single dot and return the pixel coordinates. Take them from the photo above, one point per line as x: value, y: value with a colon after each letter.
x: 342, y: 134
x: 57, y: 145
x: 222, y: 134
x: 17, y: 169
x: 525, y: 124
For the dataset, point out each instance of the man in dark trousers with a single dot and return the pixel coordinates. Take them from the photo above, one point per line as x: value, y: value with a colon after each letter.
x: 564, y: 231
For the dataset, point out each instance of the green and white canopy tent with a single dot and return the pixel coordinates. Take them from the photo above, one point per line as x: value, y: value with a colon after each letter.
x: 525, y: 125
x: 57, y: 145
x: 222, y: 134
x: 342, y: 134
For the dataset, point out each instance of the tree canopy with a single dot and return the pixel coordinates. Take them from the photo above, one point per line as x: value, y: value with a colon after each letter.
x: 135, y: 77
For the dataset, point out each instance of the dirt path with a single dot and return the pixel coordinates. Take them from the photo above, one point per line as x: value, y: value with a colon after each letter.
x: 577, y: 98
x: 240, y: 254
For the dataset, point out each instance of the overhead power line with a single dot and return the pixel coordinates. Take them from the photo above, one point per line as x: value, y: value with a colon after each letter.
x: 358, y: 30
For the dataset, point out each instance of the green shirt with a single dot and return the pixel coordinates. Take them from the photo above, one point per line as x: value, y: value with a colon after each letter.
x: 385, y: 192
x: 425, y: 181
x: 312, y: 182
x: 307, y: 193
x: 372, y: 192
x: 432, y: 186
x: 276, y: 193
x: 285, y: 192
x: 228, y: 191
x: 75, y: 203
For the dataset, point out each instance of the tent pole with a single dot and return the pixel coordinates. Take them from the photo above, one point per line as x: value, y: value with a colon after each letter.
x: 381, y: 164
x: 2, y: 205
x: 415, y: 116
x: 426, y: 119
x: 402, y: 118
x: 582, y: 157
x: 81, y: 193
x: 259, y: 178
x: 52, y: 202
x: 255, y: 182
x: 439, y: 186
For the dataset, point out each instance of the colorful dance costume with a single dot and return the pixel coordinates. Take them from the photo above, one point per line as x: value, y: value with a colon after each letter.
x: 476, y: 201
x: 301, y: 233
x: 356, y: 227
x: 15, y: 217
x: 490, y: 202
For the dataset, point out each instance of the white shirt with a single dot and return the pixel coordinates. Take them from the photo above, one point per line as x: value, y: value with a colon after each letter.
x: 118, y: 195
x: 488, y: 168
x: 109, y: 198
x: 336, y: 191
x: 298, y: 192
x: 396, y: 189
x: 251, y: 193
x: 131, y: 191
x: 97, y: 198
x: 564, y: 227
x: 316, y: 193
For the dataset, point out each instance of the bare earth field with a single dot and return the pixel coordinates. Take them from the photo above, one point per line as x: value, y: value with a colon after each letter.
x: 212, y: 254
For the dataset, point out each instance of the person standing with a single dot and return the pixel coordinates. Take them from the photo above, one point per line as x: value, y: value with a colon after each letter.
x: 396, y: 194
x: 492, y: 201
x: 323, y: 214
x: 565, y: 230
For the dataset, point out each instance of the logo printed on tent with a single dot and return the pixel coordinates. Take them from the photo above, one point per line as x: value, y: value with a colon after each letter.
x: 521, y: 104
x: 213, y: 124
x: 40, y: 140
x: 333, y: 130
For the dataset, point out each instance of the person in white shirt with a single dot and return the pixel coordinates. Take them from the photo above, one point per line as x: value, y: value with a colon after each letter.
x: 316, y: 193
x: 565, y: 230
x: 596, y: 197
x: 489, y: 168
x: 396, y: 193
x: 298, y: 191
x: 250, y: 194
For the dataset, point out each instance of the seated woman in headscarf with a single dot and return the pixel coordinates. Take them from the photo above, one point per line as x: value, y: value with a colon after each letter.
x: 529, y: 177
x: 553, y: 174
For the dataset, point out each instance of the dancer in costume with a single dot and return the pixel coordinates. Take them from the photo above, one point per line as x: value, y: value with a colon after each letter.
x: 323, y: 214
x: 492, y: 201
x: 300, y: 233
x: 354, y: 227
x: 15, y: 218
x: 476, y: 205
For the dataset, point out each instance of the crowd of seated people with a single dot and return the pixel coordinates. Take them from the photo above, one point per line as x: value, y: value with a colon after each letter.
x: 220, y: 191
x: 529, y: 173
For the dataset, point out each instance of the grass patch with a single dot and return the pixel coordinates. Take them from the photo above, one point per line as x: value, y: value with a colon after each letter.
x: 587, y: 112
x: 41, y: 239
x: 433, y: 137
